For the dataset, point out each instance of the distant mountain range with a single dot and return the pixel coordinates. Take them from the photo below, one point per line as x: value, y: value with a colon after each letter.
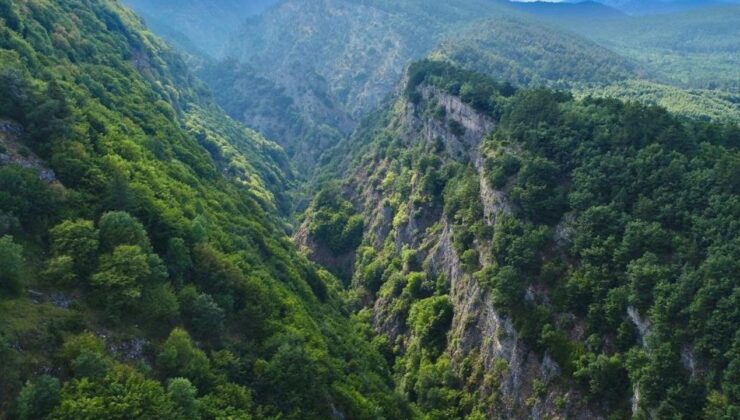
x: 632, y: 7
x: 586, y: 9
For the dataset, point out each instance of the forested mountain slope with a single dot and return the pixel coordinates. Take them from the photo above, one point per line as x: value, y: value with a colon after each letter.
x: 144, y: 269
x: 697, y: 49
x: 528, y: 255
x: 683, y: 62
x: 526, y: 53
x: 335, y: 59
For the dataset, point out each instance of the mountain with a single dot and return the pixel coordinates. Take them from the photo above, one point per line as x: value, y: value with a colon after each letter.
x: 335, y: 59
x: 338, y: 59
x: 525, y: 52
x: 655, y: 7
x: 690, y: 49
x: 146, y: 272
x: 529, y: 255
x: 584, y: 10
x: 203, y: 26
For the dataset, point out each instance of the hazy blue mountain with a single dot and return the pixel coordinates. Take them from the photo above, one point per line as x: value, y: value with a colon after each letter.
x: 203, y: 24
x: 586, y: 9
x: 647, y: 7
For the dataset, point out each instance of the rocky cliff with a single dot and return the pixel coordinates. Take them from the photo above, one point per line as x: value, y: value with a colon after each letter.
x: 507, y: 378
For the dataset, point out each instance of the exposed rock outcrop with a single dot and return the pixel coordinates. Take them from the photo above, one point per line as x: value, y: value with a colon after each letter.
x: 14, y: 153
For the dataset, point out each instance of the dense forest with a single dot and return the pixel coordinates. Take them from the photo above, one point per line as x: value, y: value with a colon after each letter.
x: 440, y: 210
x: 580, y: 219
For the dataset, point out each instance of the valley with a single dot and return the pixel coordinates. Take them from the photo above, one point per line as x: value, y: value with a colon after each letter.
x: 369, y: 209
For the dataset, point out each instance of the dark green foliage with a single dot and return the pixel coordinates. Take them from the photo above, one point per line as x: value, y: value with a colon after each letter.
x: 508, y: 288
x: 119, y: 228
x: 297, y: 373
x: 612, y: 245
x: 538, y: 193
x: 645, y: 231
x: 501, y: 168
x: 478, y: 91
x: 206, y: 317
x: 11, y: 266
x: 85, y: 356
x: 38, y: 398
x: 178, y: 259
x: 532, y: 107
x: 25, y: 201
x: 605, y: 378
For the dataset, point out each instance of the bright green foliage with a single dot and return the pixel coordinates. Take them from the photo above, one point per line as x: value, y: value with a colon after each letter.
x: 122, y: 394
x: 333, y: 222
x: 180, y: 358
x: 184, y: 395
x: 429, y: 320
x: 76, y: 241
x: 121, y: 274
x: 227, y: 401
x: 11, y: 266
x: 701, y: 104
